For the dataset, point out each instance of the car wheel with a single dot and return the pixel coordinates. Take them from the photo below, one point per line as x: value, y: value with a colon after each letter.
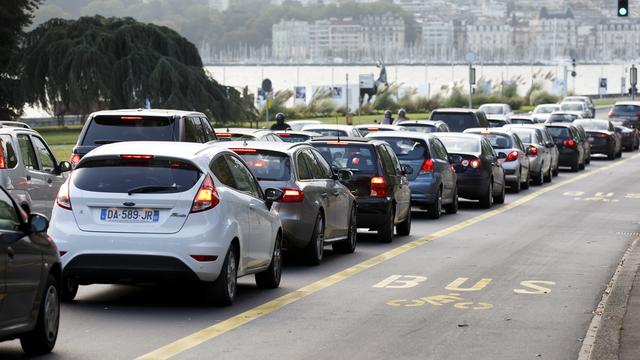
x: 576, y: 165
x: 42, y: 338
x: 516, y: 186
x: 349, y: 245
x: 452, y: 208
x: 385, y: 233
x: 548, y: 176
x: 500, y: 198
x: 487, y: 200
x: 270, y: 278
x: 435, y: 210
x: 619, y: 154
x: 582, y: 166
x: 539, y: 180
x: 314, y: 251
x: 404, y: 228
x: 556, y: 171
x: 69, y: 289
x: 222, y: 292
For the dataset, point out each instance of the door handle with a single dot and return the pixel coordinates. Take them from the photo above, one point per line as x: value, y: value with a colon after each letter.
x: 10, y: 253
x: 28, y: 177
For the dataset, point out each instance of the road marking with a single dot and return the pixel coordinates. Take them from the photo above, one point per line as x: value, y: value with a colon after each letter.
x: 537, y: 289
x: 400, y: 282
x: 190, y: 341
x: 457, y: 283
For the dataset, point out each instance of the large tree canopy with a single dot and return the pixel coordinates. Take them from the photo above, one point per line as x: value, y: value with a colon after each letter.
x: 79, y: 66
x: 14, y: 16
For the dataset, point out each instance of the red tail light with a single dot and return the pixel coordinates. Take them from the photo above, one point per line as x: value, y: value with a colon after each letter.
x: 207, y: 196
x: 63, y: 199
x: 474, y: 163
x: 243, y: 151
x: 427, y: 166
x: 611, y: 113
x: 569, y: 143
x: 292, y: 196
x: 204, y: 258
x: 512, y: 156
x: 534, y: 150
x: 601, y: 136
x: 75, y: 159
x: 378, y: 187
x: 3, y: 163
x: 284, y: 135
x: 130, y: 117
x: 137, y: 157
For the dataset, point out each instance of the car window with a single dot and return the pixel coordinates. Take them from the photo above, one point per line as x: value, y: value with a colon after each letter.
x: 303, y: 166
x: 242, y: 176
x: 394, y: 160
x: 220, y: 168
x: 357, y: 158
x: 439, y: 150
x: 8, y: 216
x: 324, y: 165
x: 312, y: 163
x: 407, y: 148
x: 268, y: 165
x: 194, y: 132
x: 47, y: 161
x: 107, y: 129
x: 387, y: 163
x: 456, y: 121
x: 208, y: 130
x: 10, y: 158
x: 518, y: 142
x: 460, y: 144
x: 27, y: 153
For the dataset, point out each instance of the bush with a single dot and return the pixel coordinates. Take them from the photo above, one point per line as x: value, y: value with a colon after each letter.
x: 386, y: 100
x: 457, y: 98
x: 538, y: 97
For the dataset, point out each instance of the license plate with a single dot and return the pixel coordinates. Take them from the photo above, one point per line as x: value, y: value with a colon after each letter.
x: 129, y: 215
x: 591, y: 139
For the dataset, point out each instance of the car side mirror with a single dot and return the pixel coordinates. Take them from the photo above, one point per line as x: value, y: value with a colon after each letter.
x: 502, y: 155
x: 64, y: 166
x: 272, y: 195
x: 407, y: 170
x: 344, y: 175
x: 38, y: 223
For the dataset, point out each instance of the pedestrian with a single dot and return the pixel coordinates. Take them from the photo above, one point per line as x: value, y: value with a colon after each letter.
x: 388, y: 118
x: 402, y: 116
x: 280, y: 124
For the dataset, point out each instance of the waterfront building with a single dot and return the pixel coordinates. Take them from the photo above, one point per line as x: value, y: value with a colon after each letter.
x: 291, y: 40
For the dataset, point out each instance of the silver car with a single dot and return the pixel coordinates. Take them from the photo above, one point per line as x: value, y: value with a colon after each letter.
x: 540, y: 152
x: 513, y: 155
x: 28, y: 169
x: 316, y: 208
x: 231, y: 134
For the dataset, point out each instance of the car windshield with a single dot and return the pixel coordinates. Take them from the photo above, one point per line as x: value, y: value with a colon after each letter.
x: 268, y: 165
x: 626, y: 109
x: 408, y: 149
x: 461, y: 144
x: 422, y: 128
x: 546, y: 109
x: 120, y: 175
x: 492, y: 109
x: 457, y: 121
x: 571, y: 107
x: 357, y: 158
x: 109, y: 129
x: 562, y: 118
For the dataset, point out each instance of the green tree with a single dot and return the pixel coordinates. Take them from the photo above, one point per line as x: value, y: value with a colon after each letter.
x: 79, y: 66
x: 14, y: 16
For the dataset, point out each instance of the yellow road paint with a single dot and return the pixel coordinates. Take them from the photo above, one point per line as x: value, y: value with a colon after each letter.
x: 438, y: 300
x: 199, y: 337
x: 400, y: 282
x: 535, y: 286
x: 396, y: 303
x: 632, y: 196
x: 468, y: 305
x: 456, y: 285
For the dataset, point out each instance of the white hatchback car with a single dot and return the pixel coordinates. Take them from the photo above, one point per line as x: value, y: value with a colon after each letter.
x: 155, y: 212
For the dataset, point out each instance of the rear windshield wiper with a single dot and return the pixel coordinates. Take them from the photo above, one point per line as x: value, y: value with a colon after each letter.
x: 104, y: 142
x: 150, y: 189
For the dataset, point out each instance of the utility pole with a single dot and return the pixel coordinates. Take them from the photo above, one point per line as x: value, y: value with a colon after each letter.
x: 472, y: 81
x: 633, y: 74
x: 347, y: 93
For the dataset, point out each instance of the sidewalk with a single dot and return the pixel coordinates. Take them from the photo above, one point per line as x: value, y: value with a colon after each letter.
x: 630, y: 334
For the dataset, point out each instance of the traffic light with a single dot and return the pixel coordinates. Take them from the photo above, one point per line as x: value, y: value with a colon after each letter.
x: 623, y: 7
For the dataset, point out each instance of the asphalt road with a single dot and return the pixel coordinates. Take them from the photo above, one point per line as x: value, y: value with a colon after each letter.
x: 517, y: 282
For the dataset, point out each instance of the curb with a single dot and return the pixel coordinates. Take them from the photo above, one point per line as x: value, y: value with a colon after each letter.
x: 602, y: 341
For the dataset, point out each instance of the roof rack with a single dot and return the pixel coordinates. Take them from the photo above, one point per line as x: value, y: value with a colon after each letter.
x: 17, y: 124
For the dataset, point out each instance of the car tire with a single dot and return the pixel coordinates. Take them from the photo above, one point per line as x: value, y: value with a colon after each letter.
x: 42, y: 338
x: 69, y: 289
x: 556, y: 171
x: 487, y: 200
x: 583, y: 165
x: 576, y: 165
x: 500, y: 198
x: 539, y: 180
x: 435, y: 210
x: 619, y: 154
x: 349, y: 245
x: 385, y: 233
x: 516, y: 186
x: 314, y: 251
x: 452, y: 208
x: 527, y: 183
x: 549, y: 176
x: 222, y: 292
x: 404, y: 228
x: 611, y: 155
x: 270, y: 278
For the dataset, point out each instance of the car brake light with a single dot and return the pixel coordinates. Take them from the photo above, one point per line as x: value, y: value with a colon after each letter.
x: 204, y: 258
x: 75, y: 159
x: 292, y: 196
x: 130, y: 117
x: 284, y: 135
x: 378, y: 187
x: 63, y: 199
x: 427, y: 166
x: 207, y: 196
x: 220, y: 134
x: 601, y: 136
x: 243, y: 151
x: 512, y: 156
x: 137, y: 157
x: 474, y: 163
x: 569, y: 143
x: 534, y: 150
x: 3, y: 163
x: 373, y: 129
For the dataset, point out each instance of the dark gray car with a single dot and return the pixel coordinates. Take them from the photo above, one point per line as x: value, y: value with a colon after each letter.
x: 316, y: 208
x: 30, y: 275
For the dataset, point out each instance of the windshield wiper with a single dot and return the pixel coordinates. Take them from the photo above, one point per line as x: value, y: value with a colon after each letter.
x: 104, y: 142
x: 150, y: 189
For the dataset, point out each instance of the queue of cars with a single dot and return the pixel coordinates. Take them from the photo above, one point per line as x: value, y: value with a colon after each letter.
x: 220, y: 204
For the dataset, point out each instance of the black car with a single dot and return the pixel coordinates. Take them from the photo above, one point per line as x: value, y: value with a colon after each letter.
x: 570, y: 145
x: 106, y: 127
x: 31, y: 274
x: 379, y: 182
x: 602, y: 137
x: 629, y: 137
x: 459, y: 119
x: 586, y: 143
x: 424, y: 126
x: 627, y: 111
x: 480, y: 175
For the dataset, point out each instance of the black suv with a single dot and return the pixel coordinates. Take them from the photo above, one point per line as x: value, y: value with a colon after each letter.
x: 379, y: 182
x: 106, y: 127
x: 459, y: 120
x: 29, y: 285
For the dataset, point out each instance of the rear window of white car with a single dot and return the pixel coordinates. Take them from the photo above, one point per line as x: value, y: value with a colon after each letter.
x: 123, y: 175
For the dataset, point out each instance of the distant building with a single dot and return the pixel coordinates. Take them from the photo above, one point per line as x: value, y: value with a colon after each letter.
x: 438, y: 39
x: 335, y: 38
x: 490, y: 40
x: 554, y: 34
x: 382, y: 34
x: 618, y: 39
x: 291, y: 40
